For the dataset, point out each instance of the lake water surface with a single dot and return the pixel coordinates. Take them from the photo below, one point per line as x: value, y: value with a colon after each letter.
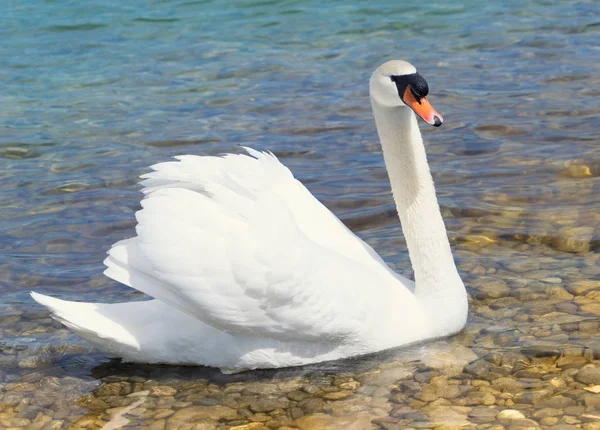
x: 94, y: 92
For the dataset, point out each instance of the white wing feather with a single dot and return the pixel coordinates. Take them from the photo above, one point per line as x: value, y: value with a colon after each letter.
x: 238, y: 243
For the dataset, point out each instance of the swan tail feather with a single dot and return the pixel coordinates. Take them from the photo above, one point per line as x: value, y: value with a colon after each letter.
x: 87, y: 320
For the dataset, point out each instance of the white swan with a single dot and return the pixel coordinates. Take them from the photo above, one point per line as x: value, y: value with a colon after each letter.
x: 248, y: 270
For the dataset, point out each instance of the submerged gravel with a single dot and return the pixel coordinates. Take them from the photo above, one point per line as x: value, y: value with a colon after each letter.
x: 528, y: 359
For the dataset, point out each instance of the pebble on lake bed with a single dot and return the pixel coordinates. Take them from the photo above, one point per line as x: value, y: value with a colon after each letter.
x: 573, y: 239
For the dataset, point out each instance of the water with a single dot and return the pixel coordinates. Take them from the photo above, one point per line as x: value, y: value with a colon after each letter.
x: 92, y: 93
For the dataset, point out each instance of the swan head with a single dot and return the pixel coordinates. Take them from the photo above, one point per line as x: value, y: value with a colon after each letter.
x: 397, y: 84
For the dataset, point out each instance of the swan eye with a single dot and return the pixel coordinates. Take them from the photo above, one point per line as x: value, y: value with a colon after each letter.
x: 418, y: 86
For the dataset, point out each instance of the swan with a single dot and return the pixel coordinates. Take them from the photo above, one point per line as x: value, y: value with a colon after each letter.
x: 249, y: 270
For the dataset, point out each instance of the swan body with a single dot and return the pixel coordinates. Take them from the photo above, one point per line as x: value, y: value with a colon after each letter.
x: 248, y: 270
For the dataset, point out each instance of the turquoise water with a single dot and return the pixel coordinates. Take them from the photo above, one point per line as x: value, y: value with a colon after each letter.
x: 94, y: 92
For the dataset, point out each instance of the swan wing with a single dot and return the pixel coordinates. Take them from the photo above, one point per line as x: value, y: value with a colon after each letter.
x: 238, y: 243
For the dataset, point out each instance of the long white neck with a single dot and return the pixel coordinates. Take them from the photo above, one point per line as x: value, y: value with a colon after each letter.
x: 436, y: 276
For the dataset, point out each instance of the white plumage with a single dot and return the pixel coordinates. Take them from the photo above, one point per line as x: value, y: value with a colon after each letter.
x: 248, y: 270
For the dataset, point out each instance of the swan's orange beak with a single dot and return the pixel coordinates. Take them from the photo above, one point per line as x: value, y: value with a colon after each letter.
x: 422, y: 107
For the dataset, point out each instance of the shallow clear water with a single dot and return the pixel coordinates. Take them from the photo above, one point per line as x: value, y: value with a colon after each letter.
x: 92, y: 93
